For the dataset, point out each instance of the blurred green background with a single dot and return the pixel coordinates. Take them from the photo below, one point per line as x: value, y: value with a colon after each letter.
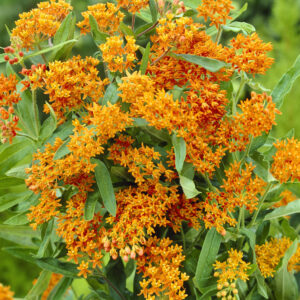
x: 276, y: 21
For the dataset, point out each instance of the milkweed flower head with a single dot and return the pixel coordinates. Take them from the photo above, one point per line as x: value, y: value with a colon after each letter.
x: 270, y: 253
x: 217, y: 11
x: 8, y: 98
x: 285, y: 198
x: 160, y: 266
x: 133, y: 6
x: 39, y: 24
x: 119, y: 57
x: 286, y: 164
x: 107, y: 15
x: 6, y: 293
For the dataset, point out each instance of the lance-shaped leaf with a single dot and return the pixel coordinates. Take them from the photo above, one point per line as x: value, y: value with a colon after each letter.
x: 90, y: 205
x: 188, y: 187
x: 62, y: 151
x: 285, y: 283
x: 40, y: 286
x: 145, y: 59
x: 153, y: 10
x: 291, y: 208
x: 60, y: 289
x: 98, y: 36
x: 19, y: 219
x: 285, y: 84
x: 180, y: 151
x: 49, y: 125
x: 210, y: 64
x: 105, y: 186
x: 207, y: 258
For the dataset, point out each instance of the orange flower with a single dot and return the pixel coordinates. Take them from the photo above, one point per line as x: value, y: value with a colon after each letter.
x: 6, y: 293
x: 216, y: 10
x: 8, y: 97
x: 233, y: 268
x: 251, y: 54
x: 70, y: 84
x: 39, y: 24
x: 269, y: 254
x: 133, y: 6
x: 286, y: 197
x: 119, y: 57
x: 107, y: 15
x: 84, y: 271
x: 286, y: 165
x: 160, y: 267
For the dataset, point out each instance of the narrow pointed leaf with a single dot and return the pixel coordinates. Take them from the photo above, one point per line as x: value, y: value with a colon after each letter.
x: 188, y: 187
x: 285, y: 84
x: 105, y: 186
x: 180, y: 151
x: 145, y: 59
x: 291, y: 208
x: 40, y: 286
x: 153, y: 10
x: 210, y: 64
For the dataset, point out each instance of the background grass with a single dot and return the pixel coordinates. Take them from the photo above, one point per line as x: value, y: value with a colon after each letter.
x: 277, y: 21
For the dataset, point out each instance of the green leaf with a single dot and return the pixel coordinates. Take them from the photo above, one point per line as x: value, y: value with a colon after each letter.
x: 212, y: 291
x: 126, y: 29
x: 60, y: 289
x: 291, y: 208
x: 246, y: 28
x: 207, y: 258
x: 258, y: 142
x: 46, y: 239
x: 64, y: 31
x: 9, y: 200
x: 18, y: 172
x: 261, y: 165
x: 98, y: 36
x: 188, y: 187
x: 90, y: 205
x: 180, y: 151
x: 285, y: 283
x: 285, y: 84
x: 19, y: 219
x: 153, y: 10
x: 145, y: 59
x: 111, y: 95
x: 49, y: 49
x: 21, y: 235
x: 11, y: 184
x: 210, y: 64
x: 40, y: 286
x: 62, y: 151
x: 13, y: 154
x: 105, y: 186
x: 50, y: 264
x: 49, y: 125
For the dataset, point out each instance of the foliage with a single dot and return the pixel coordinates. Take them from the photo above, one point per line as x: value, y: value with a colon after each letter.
x: 140, y: 167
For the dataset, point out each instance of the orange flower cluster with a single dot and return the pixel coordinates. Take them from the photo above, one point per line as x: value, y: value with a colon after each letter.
x: 8, y: 97
x: 142, y: 208
x: 232, y: 269
x: 73, y: 175
x: 69, y: 84
x: 160, y: 266
x: 268, y: 256
x: 216, y: 10
x: 6, y: 293
x: 257, y: 116
x: 39, y: 24
x: 286, y: 197
x: 251, y: 54
x: 119, y: 57
x: 240, y: 189
x: 107, y: 15
x: 286, y: 165
x: 133, y: 6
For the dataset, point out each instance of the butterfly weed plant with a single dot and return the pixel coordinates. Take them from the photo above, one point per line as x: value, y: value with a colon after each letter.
x: 147, y: 168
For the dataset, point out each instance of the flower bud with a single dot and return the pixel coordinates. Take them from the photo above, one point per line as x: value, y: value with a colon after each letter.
x: 125, y: 258
x: 6, y: 57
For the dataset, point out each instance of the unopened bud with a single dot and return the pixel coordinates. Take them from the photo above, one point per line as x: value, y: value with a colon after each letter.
x: 125, y: 258
x: 132, y: 255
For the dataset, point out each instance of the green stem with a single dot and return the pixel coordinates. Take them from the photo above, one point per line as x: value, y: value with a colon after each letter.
x: 247, y: 150
x: 148, y: 29
x: 26, y: 135
x: 43, y: 56
x: 207, y: 180
x: 241, y: 220
x: 261, y: 202
x: 238, y: 94
x: 36, y: 113
x: 110, y: 284
x: 183, y: 238
x: 219, y: 34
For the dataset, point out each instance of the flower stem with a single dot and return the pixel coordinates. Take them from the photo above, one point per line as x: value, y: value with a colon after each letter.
x: 148, y: 29
x: 261, y: 202
x: 219, y: 34
x: 183, y: 238
x: 36, y: 115
x: 210, y: 185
